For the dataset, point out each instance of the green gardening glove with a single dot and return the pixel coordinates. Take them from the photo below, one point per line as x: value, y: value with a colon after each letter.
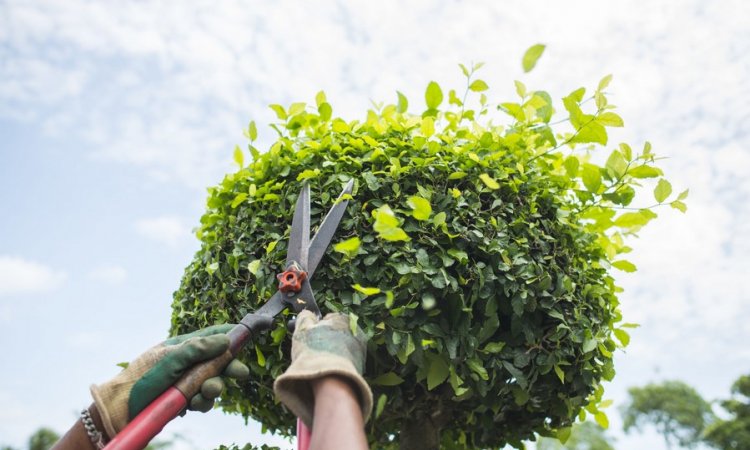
x: 123, y: 397
x: 319, y: 349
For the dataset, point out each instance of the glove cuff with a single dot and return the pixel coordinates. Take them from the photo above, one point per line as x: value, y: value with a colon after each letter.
x: 294, y: 388
x: 109, y: 418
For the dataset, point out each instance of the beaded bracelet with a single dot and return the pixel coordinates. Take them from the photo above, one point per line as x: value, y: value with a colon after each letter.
x: 96, y: 436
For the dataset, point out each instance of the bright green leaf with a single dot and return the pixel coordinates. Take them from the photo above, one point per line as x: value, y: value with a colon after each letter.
x: 622, y: 336
x: 421, y: 209
x: 353, y: 318
x: 367, y: 291
x: 489, y: 181
x: 645, y: 171
x: 349, y: 247
x: 403, y: 103
x: 433, y: 96
x: 679, y: 205
x: 239, y: 158
x: 625, y: 266
x: 662, y: 190
x: 532, y: 56
x: 602, y: 419
x: 252, y: 131
x: 253, y: 266
x: 592, y: 177
x: 478, y: 86
x: 387, y: 225
x: 260, y: 357
x: 610, y: 119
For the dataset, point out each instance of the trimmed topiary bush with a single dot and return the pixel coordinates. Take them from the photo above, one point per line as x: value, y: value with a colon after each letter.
x: 476, y: 256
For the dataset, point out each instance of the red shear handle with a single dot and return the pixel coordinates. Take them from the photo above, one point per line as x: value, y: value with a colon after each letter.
x: 149, y: 422
x: 304, y: 436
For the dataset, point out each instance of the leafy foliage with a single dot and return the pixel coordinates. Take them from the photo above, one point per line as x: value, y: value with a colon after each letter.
x: 734, y: 432
x: 677, y: 410
x: 481, y: 268
x: 584, y: 436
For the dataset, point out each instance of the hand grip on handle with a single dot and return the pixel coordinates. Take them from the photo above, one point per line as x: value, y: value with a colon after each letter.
x: 149, y: 422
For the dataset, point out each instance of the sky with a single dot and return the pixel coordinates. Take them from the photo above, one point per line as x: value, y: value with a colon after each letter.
x: 115, y: 117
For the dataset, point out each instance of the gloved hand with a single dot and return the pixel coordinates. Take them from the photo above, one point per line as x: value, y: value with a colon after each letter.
x: 123, y: 397
x: 319, y: 349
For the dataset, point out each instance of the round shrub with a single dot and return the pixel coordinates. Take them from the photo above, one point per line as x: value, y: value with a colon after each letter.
x: 476, y: 256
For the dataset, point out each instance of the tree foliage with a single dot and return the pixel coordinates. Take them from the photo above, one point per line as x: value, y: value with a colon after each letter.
x: 476, y: 253
x: 584, y: 436
x: 677, y: 411
x: 733, y: 433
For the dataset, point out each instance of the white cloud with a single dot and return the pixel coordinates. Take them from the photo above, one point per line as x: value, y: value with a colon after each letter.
x: 109, y: 274
x: 20, y: 276
x: 168, y: 230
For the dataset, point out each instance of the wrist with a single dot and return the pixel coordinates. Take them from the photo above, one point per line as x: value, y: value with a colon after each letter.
x: 333, y: 387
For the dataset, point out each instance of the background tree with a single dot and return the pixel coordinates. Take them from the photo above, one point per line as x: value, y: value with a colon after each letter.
x: 733, y: 433
x: 476, y: 253
x: 583, y: 436
x: 675, y: 409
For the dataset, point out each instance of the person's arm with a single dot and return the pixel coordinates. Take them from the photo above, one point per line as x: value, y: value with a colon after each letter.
x: 120, y: 399
x: 324, y: 386
x: 338, y: 416
x: 77, y: 438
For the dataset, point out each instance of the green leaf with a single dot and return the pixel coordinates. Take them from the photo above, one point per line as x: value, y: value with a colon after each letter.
x: 602, y: 419
x: 589, y: 345
x: 320, y: 98
x: 563, y: 434
x: 260, y: 357
x: 604, y: 83
x: 478, y: 86
x: 367, y: 291
x: 349, y: 247
x: 403, y: 103
x: 438, y: 371
x: 592, y: 177
x: 610, y: 119
x: 279, y: 110
x: 252, y: 131
x: 634, y: 220
x: 387, y: 225
x: 124, y: 364
x: 389, y: 297
x: 239, y: 158
x: 683, y: 195
x: 476, y: 366
x: 459, y: 255
x: 679, y: 205
x: 325, y: 111
x: 489, y: 181
x: 520, y: 88
x: 532, y: 56
x: 380, y: 405
x: 239, y: 199
x: 662, y: 190
x: 253, y: 266
x: 271, y: 245
x: 388, y: 379
x: 494, y: 347
x: 625, y: 266
x: 428, y: 126
x: 212, y: 268
x: 433, y: 96
x: 353, y: 318
x: 307, y: 174
x: 622, y: 336
x: 421, y: 209
x: 645, y: 171
x: 616, y: 164
x: 428, y: 301
x: 560, y: 373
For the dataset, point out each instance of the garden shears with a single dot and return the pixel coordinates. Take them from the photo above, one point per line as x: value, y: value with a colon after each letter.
x: 294, y: 292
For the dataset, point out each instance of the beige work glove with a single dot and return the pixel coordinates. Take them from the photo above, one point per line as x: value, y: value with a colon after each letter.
x: 322, y: 348
x: 120, y: 399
